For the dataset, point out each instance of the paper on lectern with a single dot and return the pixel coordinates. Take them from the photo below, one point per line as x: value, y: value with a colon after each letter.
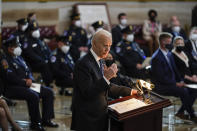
x: 127, y: 105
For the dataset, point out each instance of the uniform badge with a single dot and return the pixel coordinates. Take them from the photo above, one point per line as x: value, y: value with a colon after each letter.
x: 128, y: 48
x: 25, y: 45
x: 82, y: 32
x: 15, y: 65
x: 34, y: 45
x: 62, y: 60
x: 53, y: 59
x: 4, y: 63
x: 73, y: 33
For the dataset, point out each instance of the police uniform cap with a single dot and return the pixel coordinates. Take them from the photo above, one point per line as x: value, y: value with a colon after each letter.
x: 75, y: 16
x: 22, y: 21
x: 98, y: 24
x: 12, y: 41
x: 128, y: 30
x: 65, y: 39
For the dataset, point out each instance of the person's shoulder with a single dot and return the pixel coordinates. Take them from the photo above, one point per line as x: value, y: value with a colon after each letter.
x: 156, y: 54
x: 115, y: 28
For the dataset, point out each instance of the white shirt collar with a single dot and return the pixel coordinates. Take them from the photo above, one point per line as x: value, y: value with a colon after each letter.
x: 165, y: 52
x: 95, y: 55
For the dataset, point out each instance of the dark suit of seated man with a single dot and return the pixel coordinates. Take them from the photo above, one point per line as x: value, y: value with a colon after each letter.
x: 166, y: 78
x: 92, y: 86
x: 18, y: 82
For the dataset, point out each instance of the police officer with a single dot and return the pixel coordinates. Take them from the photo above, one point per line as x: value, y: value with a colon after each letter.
x: 62, y: 65
x: 18, y: 82
x: 131, y: 55
x: 37, y: 54
x: 79, y: 37
x: 21, y: 32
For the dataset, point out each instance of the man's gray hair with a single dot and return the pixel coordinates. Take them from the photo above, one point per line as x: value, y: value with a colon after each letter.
x: 96, y: 37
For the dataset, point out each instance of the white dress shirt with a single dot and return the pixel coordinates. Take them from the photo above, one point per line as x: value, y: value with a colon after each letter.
x: 97, y: 61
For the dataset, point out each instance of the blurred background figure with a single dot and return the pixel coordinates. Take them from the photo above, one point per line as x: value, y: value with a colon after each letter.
x: 79, y: 37
x: 131, y: 56
x: 175, y: 28
x: 151, y: 29
x: 62, y: 65
x: 37, y: 54
x: 182, y: 61
x: 5, y: 117
x: 116, y: 31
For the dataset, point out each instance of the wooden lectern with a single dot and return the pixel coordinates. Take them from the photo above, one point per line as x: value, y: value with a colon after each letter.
x: 147, y: 118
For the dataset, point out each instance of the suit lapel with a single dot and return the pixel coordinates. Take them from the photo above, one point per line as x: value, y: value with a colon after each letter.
x: 95, y: 65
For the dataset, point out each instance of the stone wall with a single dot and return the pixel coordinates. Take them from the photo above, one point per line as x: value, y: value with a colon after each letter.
x: 57, y: 13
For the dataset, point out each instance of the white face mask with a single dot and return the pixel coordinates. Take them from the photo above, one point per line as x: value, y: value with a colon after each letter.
x: 193, y: 37
x: 78, y: 23
x: 65, y: 48
x: 17, y: 51
x: 123, y: 22
x: 176, y: 29
x: 24, y: 27
x: 130, y: 37
x: 36, y: 34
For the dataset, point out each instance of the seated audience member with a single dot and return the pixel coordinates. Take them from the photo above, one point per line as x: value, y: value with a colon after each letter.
x: 92, y: 86
x: 175, y: 28
x: 21, y: 32
x: 37, y: 54
x: 5, y: 117
x: 79, y: 37
x: 120, y: 79
x: 182, y: 61
x: 31, y: 18
x: 191, y: 49
x: 116, y: 31
x: 166, y: 78
x: 151, y: 30
x: 62, y: 65
x: 131, y: 56
x: 18, y: 81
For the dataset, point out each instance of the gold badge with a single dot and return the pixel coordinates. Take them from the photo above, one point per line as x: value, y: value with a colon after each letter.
x: 4, y: 63
x: 128, y: 48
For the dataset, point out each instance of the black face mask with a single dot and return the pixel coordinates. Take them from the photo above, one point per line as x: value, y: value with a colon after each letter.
x: 179, y: 48
x: 152, y: 18
x: 169, y: 46
x: 109, y: 63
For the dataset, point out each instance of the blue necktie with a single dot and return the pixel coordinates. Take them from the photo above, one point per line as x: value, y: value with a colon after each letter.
x: 101, y: 66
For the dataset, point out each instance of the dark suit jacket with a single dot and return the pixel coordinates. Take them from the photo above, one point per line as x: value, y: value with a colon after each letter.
x: 116, y: 35
x: 90, y: 94
x: 162, y: 75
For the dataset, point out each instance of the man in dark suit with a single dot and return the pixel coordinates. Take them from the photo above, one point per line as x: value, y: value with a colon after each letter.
x: 92, y: 86
x: 116, y: 31
x: 166, y: 78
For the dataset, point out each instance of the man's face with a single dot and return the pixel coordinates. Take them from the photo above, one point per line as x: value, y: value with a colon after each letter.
x: 167, y: 41
x: 102, y: 47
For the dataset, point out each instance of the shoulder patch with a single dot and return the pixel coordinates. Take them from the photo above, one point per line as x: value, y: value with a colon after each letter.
x: 25, y: 45
x: 128, y: 48
x: 4, y: 64
x: 53, y: 59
